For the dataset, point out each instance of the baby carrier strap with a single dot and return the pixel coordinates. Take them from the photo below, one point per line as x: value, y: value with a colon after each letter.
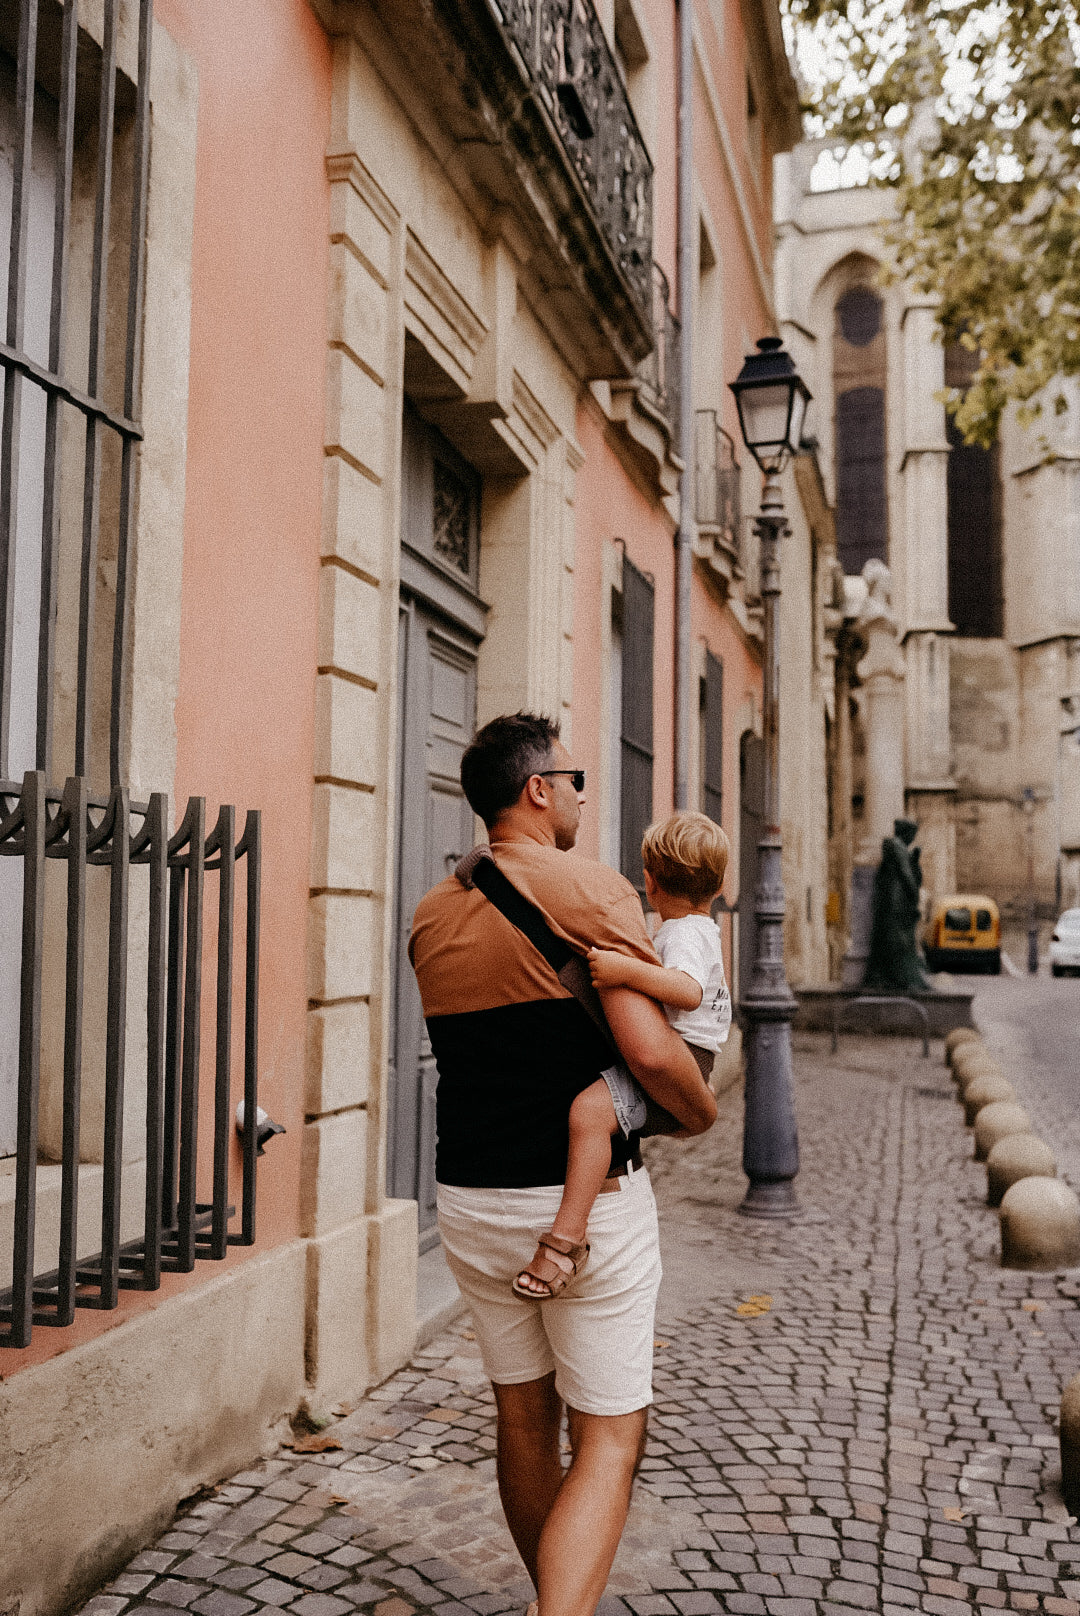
x: 478, y: 869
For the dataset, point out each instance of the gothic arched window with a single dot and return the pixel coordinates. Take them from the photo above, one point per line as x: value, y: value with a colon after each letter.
x: 862, y: 511
x: 974, y: 493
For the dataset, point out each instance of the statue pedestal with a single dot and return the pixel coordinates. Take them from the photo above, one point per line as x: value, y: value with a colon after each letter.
x: 946, y: 1008
x: 853, y: 965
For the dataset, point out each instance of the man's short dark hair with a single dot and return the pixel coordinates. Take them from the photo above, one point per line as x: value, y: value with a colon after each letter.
x: 502, y: 756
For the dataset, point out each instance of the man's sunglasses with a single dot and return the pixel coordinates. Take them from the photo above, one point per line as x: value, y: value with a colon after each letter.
x: 577, y: 776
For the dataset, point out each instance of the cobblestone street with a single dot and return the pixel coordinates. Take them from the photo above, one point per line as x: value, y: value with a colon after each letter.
x: 875, y: 1431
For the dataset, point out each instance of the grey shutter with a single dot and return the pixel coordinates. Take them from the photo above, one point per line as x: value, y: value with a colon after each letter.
x: 637, y: 719
x: 713, y: 760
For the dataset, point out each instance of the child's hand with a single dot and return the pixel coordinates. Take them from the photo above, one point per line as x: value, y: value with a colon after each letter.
x: 606, y: 967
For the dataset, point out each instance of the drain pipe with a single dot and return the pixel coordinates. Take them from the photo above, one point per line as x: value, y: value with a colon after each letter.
x: 685, y: 284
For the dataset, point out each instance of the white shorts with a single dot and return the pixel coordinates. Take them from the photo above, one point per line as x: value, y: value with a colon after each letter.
x: 598, y: 1337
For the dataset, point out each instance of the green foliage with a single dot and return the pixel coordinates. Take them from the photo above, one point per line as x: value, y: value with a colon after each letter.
x: 973, y: 113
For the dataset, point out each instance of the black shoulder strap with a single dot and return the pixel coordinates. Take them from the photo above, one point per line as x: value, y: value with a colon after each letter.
x: 478, y: 869
x: 516, y: 908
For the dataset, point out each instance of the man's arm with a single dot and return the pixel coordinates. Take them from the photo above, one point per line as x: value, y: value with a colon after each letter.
x: 658, y: 1058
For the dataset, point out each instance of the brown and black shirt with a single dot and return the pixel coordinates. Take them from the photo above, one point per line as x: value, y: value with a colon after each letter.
x: 513, y: 1047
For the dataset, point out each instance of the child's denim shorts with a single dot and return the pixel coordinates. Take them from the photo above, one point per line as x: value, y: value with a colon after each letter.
x: 628, y: 1098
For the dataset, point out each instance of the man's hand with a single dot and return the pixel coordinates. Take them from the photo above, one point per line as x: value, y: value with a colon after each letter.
x: 607, y: 967
x: 659, y: 1059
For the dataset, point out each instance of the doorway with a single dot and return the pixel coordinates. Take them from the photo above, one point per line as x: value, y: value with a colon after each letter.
x: 441, y: 625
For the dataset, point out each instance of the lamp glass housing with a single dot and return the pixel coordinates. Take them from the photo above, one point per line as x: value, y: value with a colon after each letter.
x: 771, y: 397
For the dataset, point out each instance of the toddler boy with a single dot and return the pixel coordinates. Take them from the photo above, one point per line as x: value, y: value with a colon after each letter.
x: 685, y: 860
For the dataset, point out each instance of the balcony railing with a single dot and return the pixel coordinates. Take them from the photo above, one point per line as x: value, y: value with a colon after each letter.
x: 659, y: 371
x: 563, y: 49
x: 718, y: 485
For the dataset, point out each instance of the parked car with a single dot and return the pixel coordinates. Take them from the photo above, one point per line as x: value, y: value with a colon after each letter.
x: 1065, y: 944
x: 964, y: 934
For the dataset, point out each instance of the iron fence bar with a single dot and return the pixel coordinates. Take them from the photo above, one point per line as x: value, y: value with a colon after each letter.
x: 170, y: 1166
x: 95, y: 379
x: 76, y: 811
x: 115, y: 1049
x: 223, y: 839
x: 50, y: 510
x: 189, y: 1062
x: 13, y: 384
x: 156, y: 835
x: 250, y: 847
x: 132, y: 371
x: 33, y: 917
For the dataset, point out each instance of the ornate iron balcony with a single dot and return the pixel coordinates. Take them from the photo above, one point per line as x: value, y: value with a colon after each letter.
x: 563, y: 50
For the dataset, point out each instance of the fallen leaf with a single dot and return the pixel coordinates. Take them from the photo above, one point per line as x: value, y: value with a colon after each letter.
x: 660, y: 1345
x: 1031, y: 1306
x: 316, y: 1443
x: 952, y: 1513
x: 468, y: 1335
x: 338, y: 1498
x: 754, y: 1306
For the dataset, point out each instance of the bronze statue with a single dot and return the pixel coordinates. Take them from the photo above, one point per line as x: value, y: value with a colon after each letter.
x: 896, y: 963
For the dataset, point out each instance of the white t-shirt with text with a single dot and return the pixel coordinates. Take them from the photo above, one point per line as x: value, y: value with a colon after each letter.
x: 692, y: 944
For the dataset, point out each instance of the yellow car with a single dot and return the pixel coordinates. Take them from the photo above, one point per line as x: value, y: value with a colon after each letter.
x: 964, y: 934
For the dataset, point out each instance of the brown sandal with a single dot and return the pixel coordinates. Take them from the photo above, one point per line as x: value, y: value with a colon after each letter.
x: 550, y: 1273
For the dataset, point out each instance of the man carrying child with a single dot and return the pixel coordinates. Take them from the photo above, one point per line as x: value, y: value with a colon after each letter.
x: 514, y: 1050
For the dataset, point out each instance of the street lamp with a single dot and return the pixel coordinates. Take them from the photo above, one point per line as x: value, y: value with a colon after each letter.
x: 1027, y: 803
x: 771, y: 397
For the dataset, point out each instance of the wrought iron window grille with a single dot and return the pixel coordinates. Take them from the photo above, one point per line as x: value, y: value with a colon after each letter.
x: 37, y: 824
x: 717, y: 484
x: 72, y: 539
x: 659, y: 371
x: 563, y: 51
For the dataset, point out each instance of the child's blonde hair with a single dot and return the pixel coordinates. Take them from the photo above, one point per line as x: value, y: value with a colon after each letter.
x: 686, y: 856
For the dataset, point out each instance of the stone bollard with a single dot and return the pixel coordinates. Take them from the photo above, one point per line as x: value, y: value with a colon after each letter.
x: 1017, y: 1156
x: 979, y: 1075
x: 1040, y: 1225
x: 985, y: 1090
x: 958, y: 1036
x: 1070, y: 1445
x: 966, y: 1075
x: 996, y: 1121
x: 970, y: 1055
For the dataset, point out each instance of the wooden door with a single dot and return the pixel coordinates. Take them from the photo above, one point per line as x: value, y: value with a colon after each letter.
x: 440, y: 628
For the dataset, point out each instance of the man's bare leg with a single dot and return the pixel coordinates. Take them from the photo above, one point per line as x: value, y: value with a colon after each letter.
x: 582, y: 1531
x: 528, y: 1461
x: 566, y: 1527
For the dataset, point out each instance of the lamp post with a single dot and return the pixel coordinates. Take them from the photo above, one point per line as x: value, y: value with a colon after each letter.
x: 1027, y: 803
x: 772, y: 399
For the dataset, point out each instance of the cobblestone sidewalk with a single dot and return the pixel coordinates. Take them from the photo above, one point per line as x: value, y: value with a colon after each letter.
x: 874, y: 1432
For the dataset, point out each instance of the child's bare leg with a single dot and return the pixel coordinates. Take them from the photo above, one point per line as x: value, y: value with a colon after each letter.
x: 592, y: 1123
